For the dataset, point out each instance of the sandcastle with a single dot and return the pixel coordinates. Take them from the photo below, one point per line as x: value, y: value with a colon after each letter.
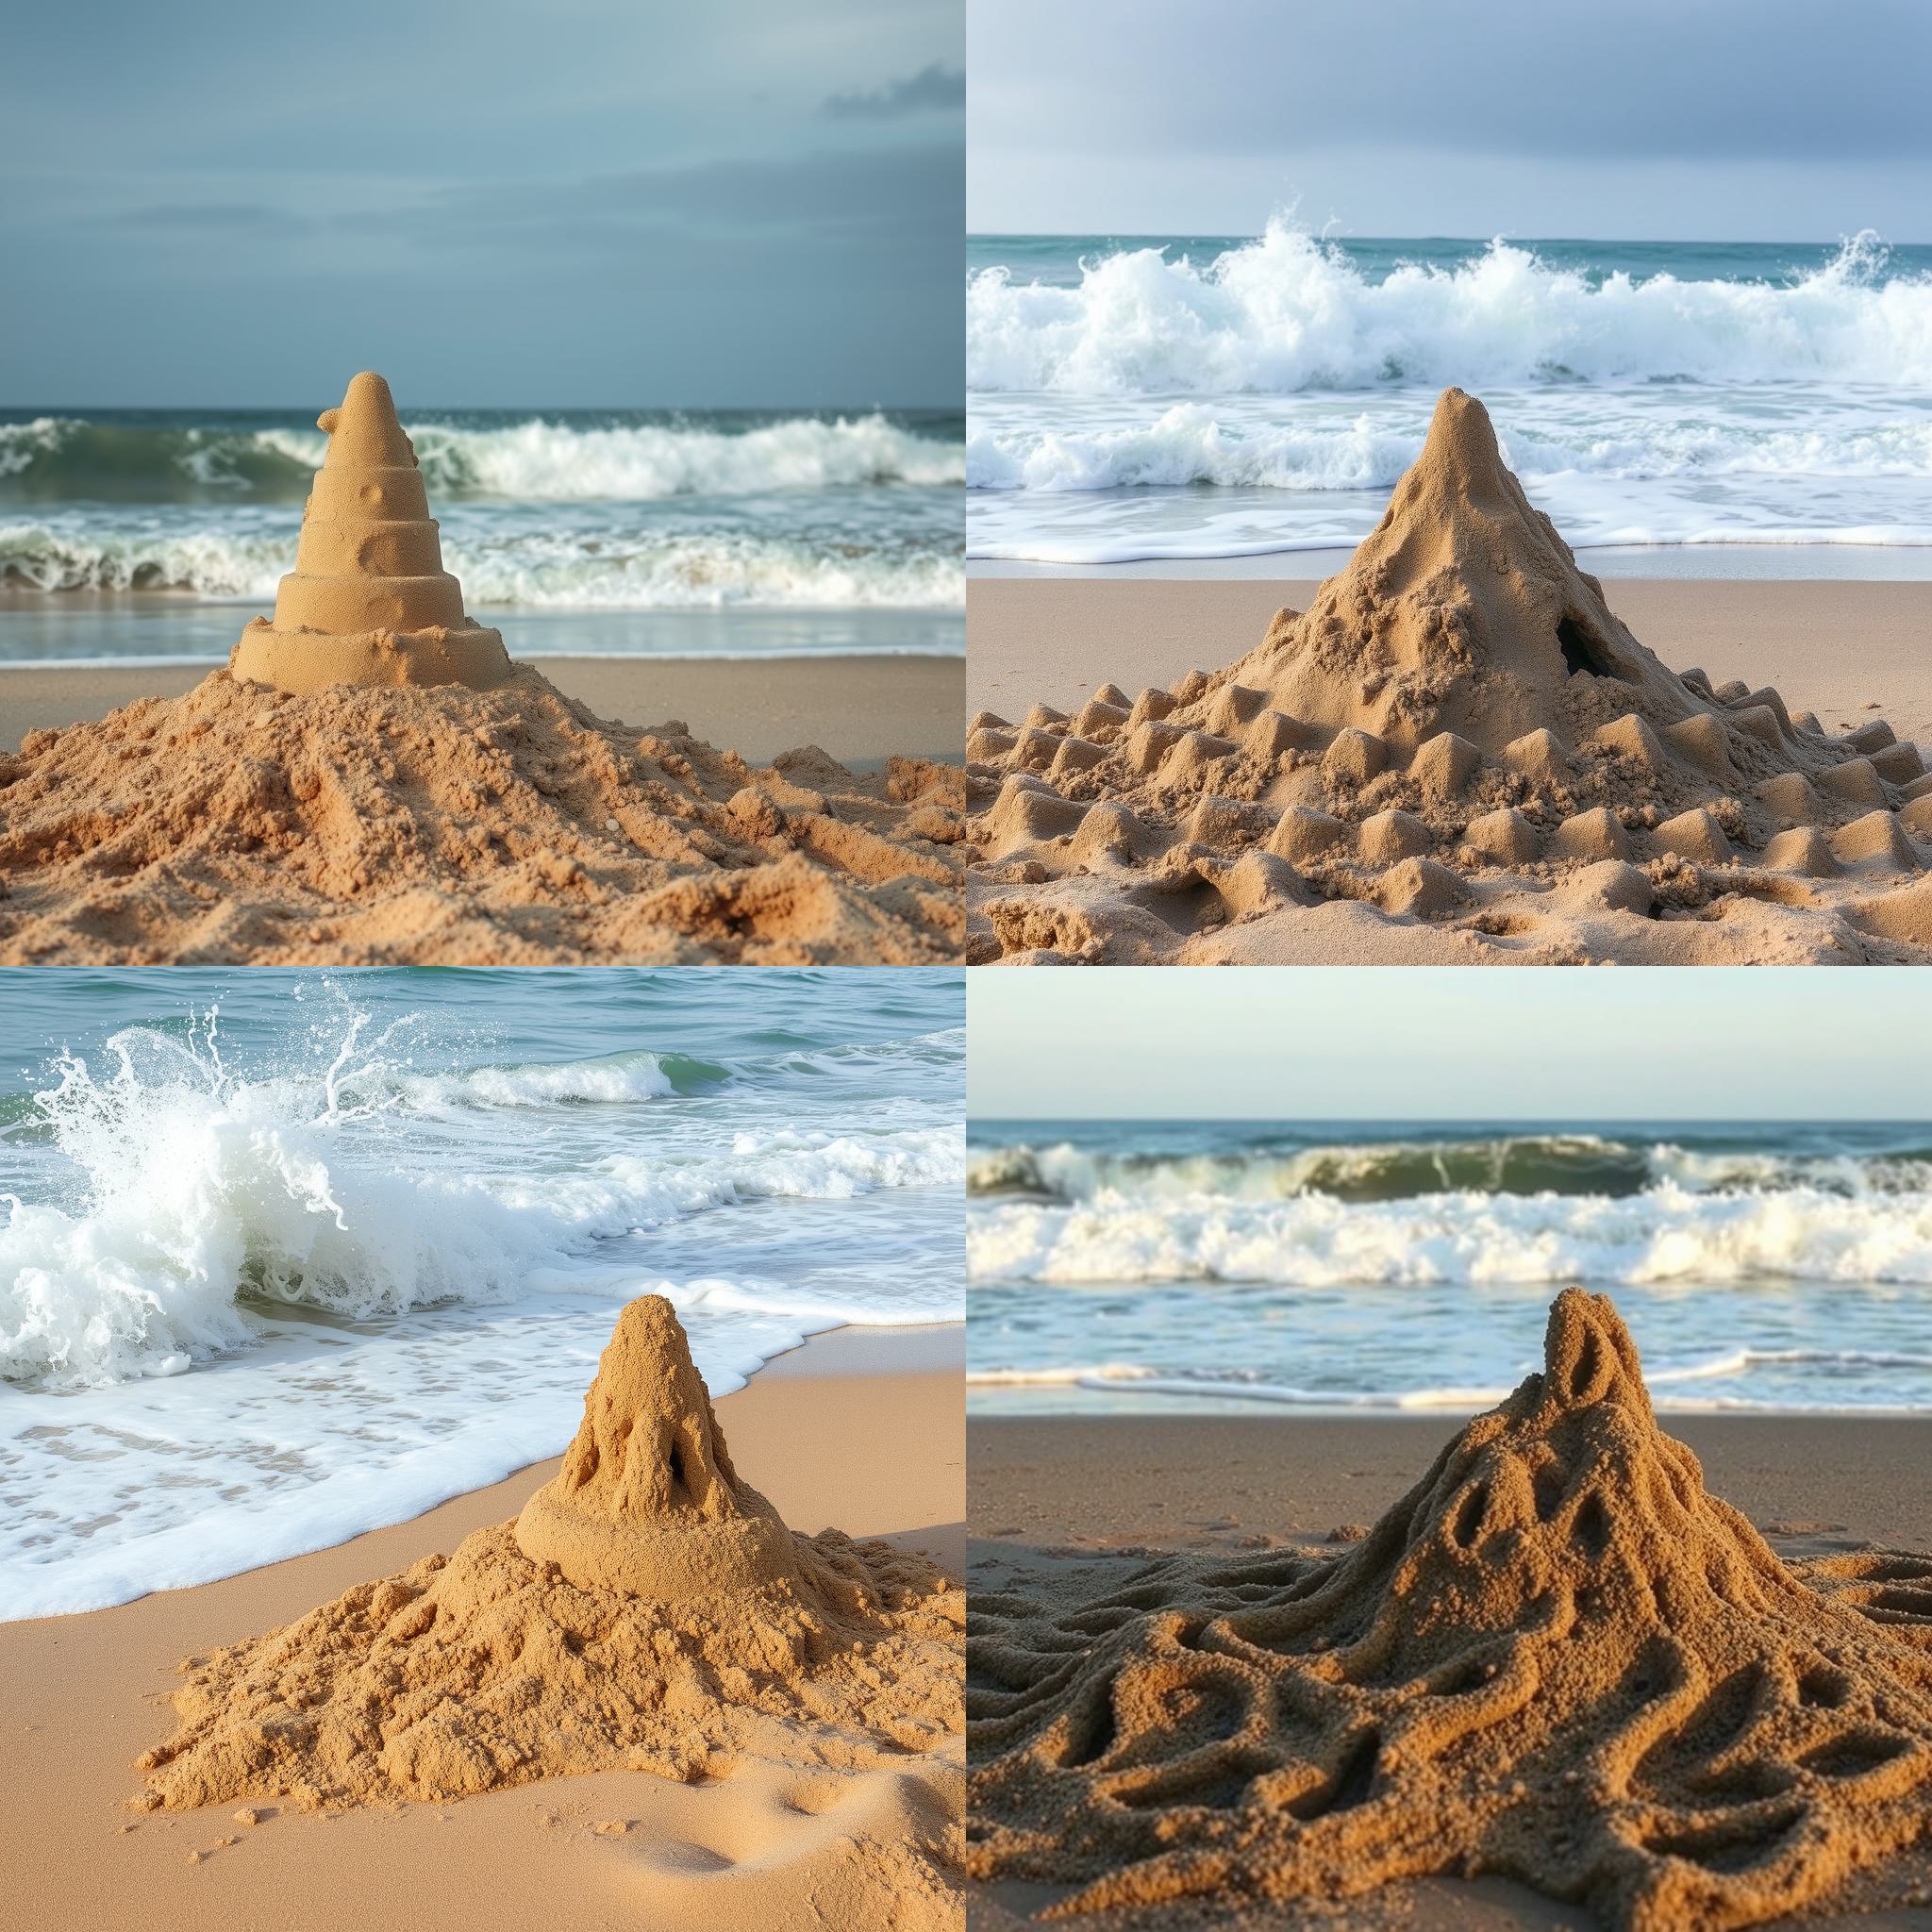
x: 368, y: 601
x: 1460, y: 724
x: 648, y: 1612
x: 647, y: 1503
x: 1557, y: 1658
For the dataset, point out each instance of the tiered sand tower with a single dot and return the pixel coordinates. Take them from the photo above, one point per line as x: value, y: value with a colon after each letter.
x: 368, y: 601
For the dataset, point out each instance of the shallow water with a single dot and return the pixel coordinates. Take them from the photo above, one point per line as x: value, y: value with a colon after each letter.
x: 1410, y: 1265
x: 1204, y: 397
x: 286, y: 1257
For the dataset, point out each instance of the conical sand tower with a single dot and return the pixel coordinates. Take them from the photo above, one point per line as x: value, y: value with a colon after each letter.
x: 368, y: 601
x: 1558, y: 1657
x: 647, y: 1503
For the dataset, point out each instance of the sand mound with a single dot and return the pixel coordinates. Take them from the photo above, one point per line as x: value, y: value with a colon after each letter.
x: 368, y: 601
x: 1558, y: 1659
x: 1461, y: 694
x: 495, y: 1666
x: 455, y: 826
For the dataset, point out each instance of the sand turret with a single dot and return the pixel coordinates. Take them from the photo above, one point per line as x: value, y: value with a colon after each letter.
x: 1558, y: 1657
x: 647, y: 1503
x: 368, y: 601
x: 1464, y: 611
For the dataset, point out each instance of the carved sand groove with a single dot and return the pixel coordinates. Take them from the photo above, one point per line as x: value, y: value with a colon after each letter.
x: 648, y: 1611
x: 1558, y: 1659
x: 1459, y: 746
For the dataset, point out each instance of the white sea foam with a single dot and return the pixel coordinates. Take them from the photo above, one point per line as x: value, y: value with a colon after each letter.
x: 545, y: 568
x: 1286, y: 313
x: 1669, y: 1232
x: 209, y: 1196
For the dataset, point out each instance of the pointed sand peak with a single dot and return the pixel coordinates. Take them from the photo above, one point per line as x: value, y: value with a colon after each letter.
x: 647, y: 1502
x: 364, y: 433
x: 1558, y: 1659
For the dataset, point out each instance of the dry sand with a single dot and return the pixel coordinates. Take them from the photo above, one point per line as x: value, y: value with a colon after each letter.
x: 858, y: 710
x: 1460, y: 753
x: 772, y: 1844
x: 450, y: 826
x: 1561, y: 1593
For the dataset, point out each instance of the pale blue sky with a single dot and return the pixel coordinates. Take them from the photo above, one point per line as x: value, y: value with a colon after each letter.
x: 498, y: 203
x: 1408, y: 1043
x: 1719, y: 120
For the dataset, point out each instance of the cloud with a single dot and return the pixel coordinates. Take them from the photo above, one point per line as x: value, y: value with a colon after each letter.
x: 224, y: 217
x: 935, y: 89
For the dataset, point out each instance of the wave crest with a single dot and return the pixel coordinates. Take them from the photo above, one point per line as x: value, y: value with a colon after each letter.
x: 1286, y: 313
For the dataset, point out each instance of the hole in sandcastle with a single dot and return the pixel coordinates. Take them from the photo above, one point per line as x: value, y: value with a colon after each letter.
x: 1590, y: 1357
x: 1823, y: 1688
x: 1581, y: 651
x: 1469, y: 1516
x: 1591, y: 1528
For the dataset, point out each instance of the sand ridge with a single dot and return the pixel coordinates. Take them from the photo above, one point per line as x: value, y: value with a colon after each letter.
x: 493, y: 1668
x: 1558, y: 1659
x: 1458, y: 754
x: 441, y: 825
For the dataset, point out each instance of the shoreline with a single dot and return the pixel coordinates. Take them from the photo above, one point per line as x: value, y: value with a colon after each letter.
x: 1096, y: 1484
x: 84, y: 1689
x: 1834, y: 647
x: 859, y: 707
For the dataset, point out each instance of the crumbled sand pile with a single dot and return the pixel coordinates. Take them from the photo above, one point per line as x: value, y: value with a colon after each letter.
x: 457, y: 826
x: 524, y: 1654
x: 1458, y: 754
x: 368, y: 601
x: 1557, y: 1658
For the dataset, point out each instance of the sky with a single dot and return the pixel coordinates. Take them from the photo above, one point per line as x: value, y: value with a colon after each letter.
x: 578, y: 203
x: 1653, y: 120
x: 1322, y: 1043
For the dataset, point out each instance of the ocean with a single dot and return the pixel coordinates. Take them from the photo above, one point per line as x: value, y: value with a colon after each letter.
x: 155, y: 533
x: 286, y: 1257
x: 1408, y: 1266
x: 1222, y: 396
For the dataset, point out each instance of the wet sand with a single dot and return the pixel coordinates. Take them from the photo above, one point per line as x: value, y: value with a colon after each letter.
x: 80, y: 1697
x: 1837, y: 648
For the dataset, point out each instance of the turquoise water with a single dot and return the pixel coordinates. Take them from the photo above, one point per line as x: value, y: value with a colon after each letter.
x: 1408, y: 1265
x: 288, y: 1255
x: 1165, y: 397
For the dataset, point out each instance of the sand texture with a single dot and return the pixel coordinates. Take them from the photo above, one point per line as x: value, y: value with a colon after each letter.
x: 493, y: 1668
x: 445, y: 825
x: 1557, y: 1659
x: 762, y: 1843
x: 1457, y: 754
x: 368, y: 601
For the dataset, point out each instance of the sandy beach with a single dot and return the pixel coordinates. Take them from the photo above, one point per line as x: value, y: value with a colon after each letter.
x: 860, y: 710
x: 1078, y: 1503
x: 1461, y: 749
x: 83, y: 1696
x: 1836, y: 648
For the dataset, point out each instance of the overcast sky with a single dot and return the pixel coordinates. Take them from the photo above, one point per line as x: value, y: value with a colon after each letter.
x: 1657, y: 120
x: 748, y: 202
x: 1397, y: 1043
